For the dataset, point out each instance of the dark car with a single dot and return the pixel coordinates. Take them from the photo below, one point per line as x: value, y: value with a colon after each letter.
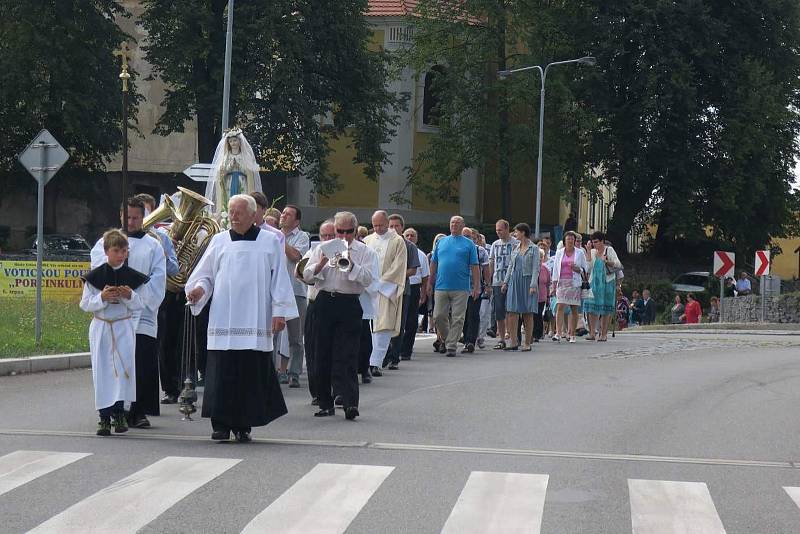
x: 64, y: 245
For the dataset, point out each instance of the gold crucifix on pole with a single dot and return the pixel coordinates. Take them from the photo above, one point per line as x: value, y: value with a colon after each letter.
x: 123, y: 53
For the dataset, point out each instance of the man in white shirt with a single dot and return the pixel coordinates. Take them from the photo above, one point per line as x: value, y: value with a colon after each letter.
x: 297, y: 244
x: 244, y: 271
x: 339, y: 316
x: 499, y: 257
x: 146, y: 255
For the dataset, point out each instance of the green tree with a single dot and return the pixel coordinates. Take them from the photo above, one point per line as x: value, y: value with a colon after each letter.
x: 58, y: 71
x: 492, y: 124
x: 697, y: 104
x: 302, y: 74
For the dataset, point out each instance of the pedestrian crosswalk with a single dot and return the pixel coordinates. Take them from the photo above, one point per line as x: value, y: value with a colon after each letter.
x: 329, y: 497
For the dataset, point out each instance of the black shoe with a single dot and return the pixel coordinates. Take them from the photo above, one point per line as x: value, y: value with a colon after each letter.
x: 405, y: 358
x: 437, y: 346
x: 491, y: 333
x: 140, y: 421
x: 221, y: 435
x: 243, y: 437
x: 451, y: 354
x: 366, y: 378
x: 119, y: 423
x: 468, y: 349
x: 393, y: 366
x: 315, y: 402
x: 294, y: 382
x: 385, y: 363
x: 375, y: 371
x: 442, y: 348
x: 169, y: 399
x: 327, y: 412
x: 350, y: 413
x: 581, y: 332
x: 104, y: 427
x: 337, y: 401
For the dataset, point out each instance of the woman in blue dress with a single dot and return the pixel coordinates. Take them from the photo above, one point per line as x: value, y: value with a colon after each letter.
x: 521, y: 286
x: 603, y: 267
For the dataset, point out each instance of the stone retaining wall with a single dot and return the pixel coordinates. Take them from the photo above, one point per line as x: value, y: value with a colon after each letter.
x: 780, y: 309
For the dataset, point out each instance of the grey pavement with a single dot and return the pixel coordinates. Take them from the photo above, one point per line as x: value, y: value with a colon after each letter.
x: 715, y: 409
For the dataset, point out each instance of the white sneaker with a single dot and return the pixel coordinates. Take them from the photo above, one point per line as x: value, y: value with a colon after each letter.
x: 556, y: 338
x: 572, y: 339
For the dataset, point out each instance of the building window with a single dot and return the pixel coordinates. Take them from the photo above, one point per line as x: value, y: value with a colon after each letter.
x: 431, y: 97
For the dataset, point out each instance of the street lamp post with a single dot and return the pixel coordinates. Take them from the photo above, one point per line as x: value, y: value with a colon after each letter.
x: 587, y: 60
x: 226, y: 83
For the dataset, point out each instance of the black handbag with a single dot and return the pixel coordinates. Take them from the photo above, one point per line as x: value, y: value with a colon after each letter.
x: 547, y: 316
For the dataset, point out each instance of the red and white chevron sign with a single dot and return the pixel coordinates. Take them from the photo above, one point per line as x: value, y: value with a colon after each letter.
x: 724, y: 263
x: 762, y: 263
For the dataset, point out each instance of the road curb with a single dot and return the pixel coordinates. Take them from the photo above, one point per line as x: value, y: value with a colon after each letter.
x: 49, y: 362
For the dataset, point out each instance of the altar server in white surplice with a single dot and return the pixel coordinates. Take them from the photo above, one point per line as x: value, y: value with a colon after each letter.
x: 109, y: 293
x: 146, y: 255
x: 252, y: 299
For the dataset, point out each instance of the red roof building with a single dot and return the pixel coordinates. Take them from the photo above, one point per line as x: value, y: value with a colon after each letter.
x: 391, y: 8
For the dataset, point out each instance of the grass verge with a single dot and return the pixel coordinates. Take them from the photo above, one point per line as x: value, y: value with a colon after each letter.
x: 65, y: 328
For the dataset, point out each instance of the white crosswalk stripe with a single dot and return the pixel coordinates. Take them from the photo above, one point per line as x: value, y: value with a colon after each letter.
x: 499, y: 502
x: 21, y: 467
x: 670, y: 507
x: 136, y: 500
x: 324, y: 501
x: 794, y: 493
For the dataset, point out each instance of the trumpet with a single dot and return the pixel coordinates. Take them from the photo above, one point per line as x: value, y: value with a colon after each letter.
x: 341, y: 261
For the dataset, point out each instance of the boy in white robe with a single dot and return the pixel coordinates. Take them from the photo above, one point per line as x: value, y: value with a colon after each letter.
x: 112, y: 336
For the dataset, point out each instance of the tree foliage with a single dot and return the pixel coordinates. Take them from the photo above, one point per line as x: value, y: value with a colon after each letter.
x: 302, y: 75
x: 691, y: 113
x: 58, y: 71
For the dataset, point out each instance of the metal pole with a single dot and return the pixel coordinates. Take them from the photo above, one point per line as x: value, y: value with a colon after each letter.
x: 125, y: 160
x: 40, y: 239
x: 539, y: 163
x: 226, y: 87
x: 721, y: 296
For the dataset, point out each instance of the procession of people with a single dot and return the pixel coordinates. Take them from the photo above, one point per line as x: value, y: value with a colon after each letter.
x: 234, y: 296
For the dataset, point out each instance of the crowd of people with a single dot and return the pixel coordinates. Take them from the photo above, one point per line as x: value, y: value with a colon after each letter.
x: 266, y: 302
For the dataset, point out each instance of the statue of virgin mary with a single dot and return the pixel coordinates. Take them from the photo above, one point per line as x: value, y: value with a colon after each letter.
x: 234, y: 170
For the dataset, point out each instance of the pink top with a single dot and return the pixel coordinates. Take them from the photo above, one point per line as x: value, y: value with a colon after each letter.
x: 544, y: 282
x: 566, y: 265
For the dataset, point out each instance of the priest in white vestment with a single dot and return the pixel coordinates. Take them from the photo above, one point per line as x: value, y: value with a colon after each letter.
x: 146, y: 255
x: 252, y: 299
x: 388, y: 291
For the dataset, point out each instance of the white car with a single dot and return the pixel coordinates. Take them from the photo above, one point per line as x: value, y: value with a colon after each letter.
x: 693, y: 282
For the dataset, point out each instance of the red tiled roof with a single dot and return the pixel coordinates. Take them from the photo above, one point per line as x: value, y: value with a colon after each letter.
x: 391, y: 8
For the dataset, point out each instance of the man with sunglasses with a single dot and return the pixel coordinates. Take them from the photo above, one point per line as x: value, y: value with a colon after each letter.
x: 338, y: 317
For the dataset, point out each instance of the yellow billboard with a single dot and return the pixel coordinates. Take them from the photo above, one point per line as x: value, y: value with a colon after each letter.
x: 61, y: 280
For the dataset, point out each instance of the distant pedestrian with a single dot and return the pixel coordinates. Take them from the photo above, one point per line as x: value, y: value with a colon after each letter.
x: 743, y: 286
x: 521, y: 286
x: 693, y: 311
x: 713, y: 311
x: 676, y: 312
x: 648, y: 313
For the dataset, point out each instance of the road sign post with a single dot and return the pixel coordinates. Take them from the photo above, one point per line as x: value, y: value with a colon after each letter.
x: 724, y: 266
x: 43, y: 157
x: 762, y: 264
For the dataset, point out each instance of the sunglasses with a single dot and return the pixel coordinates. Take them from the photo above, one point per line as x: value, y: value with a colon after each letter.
x: 347, y: 231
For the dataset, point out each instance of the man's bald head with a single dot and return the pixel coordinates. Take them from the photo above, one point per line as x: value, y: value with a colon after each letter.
x: 380, y: 222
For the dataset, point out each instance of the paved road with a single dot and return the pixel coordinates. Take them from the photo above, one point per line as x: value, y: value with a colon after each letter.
x: 647, y: 433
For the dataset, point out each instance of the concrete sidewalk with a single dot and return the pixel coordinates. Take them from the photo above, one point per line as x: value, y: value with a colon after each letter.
x: 49, y: 362
x: 772, y: 329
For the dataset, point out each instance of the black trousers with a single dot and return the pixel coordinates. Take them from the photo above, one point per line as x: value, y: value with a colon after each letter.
x: 472, y: 320
x: 146, y: 377
x: 538, y: 323
x: 336, y: 346
x: 393, y: 353
x: 170, y: 346
x: 308, y: 337
x: 410, y: 323
x: 365, y: 347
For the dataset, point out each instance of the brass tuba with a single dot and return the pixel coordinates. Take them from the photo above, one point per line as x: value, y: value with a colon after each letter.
x: 191, y: 232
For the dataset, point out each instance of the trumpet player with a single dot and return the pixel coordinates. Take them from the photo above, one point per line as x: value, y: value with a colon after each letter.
x: 338, y: 316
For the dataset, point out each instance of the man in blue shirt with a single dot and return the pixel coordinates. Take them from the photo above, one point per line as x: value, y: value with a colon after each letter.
x: 454, y: 277
x: 743, y: 286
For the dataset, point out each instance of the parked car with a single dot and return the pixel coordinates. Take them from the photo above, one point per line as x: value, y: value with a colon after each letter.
x: 693, y: 282
x: 64, y: 245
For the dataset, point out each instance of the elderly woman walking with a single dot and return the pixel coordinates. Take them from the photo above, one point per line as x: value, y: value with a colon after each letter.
x: 568, y: 265
x: 603, y: 266
x: 521, y: 286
